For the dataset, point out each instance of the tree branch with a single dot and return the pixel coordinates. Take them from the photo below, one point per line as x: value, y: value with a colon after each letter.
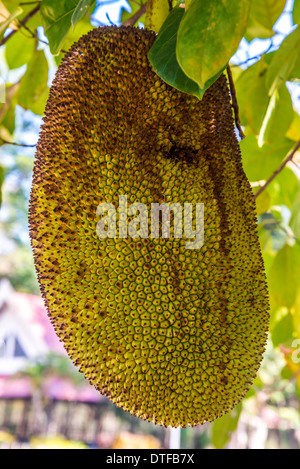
x: 6, y: 142
x: 235, y: 103
x: 288, y: 158
x: 22, y: 23
x: 136, y: 16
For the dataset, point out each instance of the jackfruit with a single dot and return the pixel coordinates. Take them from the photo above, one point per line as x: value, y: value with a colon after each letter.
x: 170, y: 334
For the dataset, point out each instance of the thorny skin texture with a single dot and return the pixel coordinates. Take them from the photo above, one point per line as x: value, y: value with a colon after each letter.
x: 174, y: 336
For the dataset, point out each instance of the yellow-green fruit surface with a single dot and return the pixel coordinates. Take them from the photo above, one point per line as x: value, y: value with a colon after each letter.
x: 171, y: 334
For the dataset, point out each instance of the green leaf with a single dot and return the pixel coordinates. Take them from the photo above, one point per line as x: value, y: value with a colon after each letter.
x: 7, y: 109
x: 263, y: 202
x: 5, y: 24
x: 252, y: 95
x: 263, y: 15
x: 83, y: 27
x: 208, y: 35
x: 260, y: 162
x: 33, y: 85
x: 284, y: 188
x: 284, y: 62
x: 283, y: 276
x: 18, y: 50
x: 296, y: 12
x: 1, y: 182
x: 278, y: 117
x: 34, y: 21
x: 294, y: 130
x: 282, y: 332
x: 157, y: 12
x: 81, y: 10
x: 162, y: 56
x: 223, y: 427
x: 295, y: 216
x: 57, y: 17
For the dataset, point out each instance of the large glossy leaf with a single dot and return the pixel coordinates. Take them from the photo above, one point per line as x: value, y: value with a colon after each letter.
x: 57, y: 17
x: 162, y: 56
x: 263, y: 15
x: 284, y: 62
x: 283, y: 276
x: 33, y: 86
x: 208, y: 35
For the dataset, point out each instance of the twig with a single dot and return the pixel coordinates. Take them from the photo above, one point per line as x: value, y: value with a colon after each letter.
x: 235, y: 103
x: 6, y: 142
x: 256, y: 57
x: 22, y: 23
x: 295, y: 164
x: 288, y: 158
x: 136, y: 16
x: 170, y: 5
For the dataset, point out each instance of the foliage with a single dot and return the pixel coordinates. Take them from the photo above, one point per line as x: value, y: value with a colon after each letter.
x: 265, y: 89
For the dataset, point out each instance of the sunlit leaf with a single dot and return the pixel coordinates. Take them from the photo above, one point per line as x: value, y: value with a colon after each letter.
x: 27, y: 7
x: 296, y: 12
x: 284, y: 62
x: 18, y: 50
x: 223, y: 427
x: 278, y: 118
x: 283, y: 277
x: 1, y: 182
x: 5, y: 13
x: 295, y: 216
x: 157, y: 12
x: 5, y: 23
x: 260, y: 163
x: 81, y: 10
x: 263, y: 202
x: 33, y: 84
x: 282, y: 331
x: 208, y: 36
x: 252, y: 95
x: 7, y: 109
x: 294, y: 130
x: 284, y: 188
x: 263, y: 15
